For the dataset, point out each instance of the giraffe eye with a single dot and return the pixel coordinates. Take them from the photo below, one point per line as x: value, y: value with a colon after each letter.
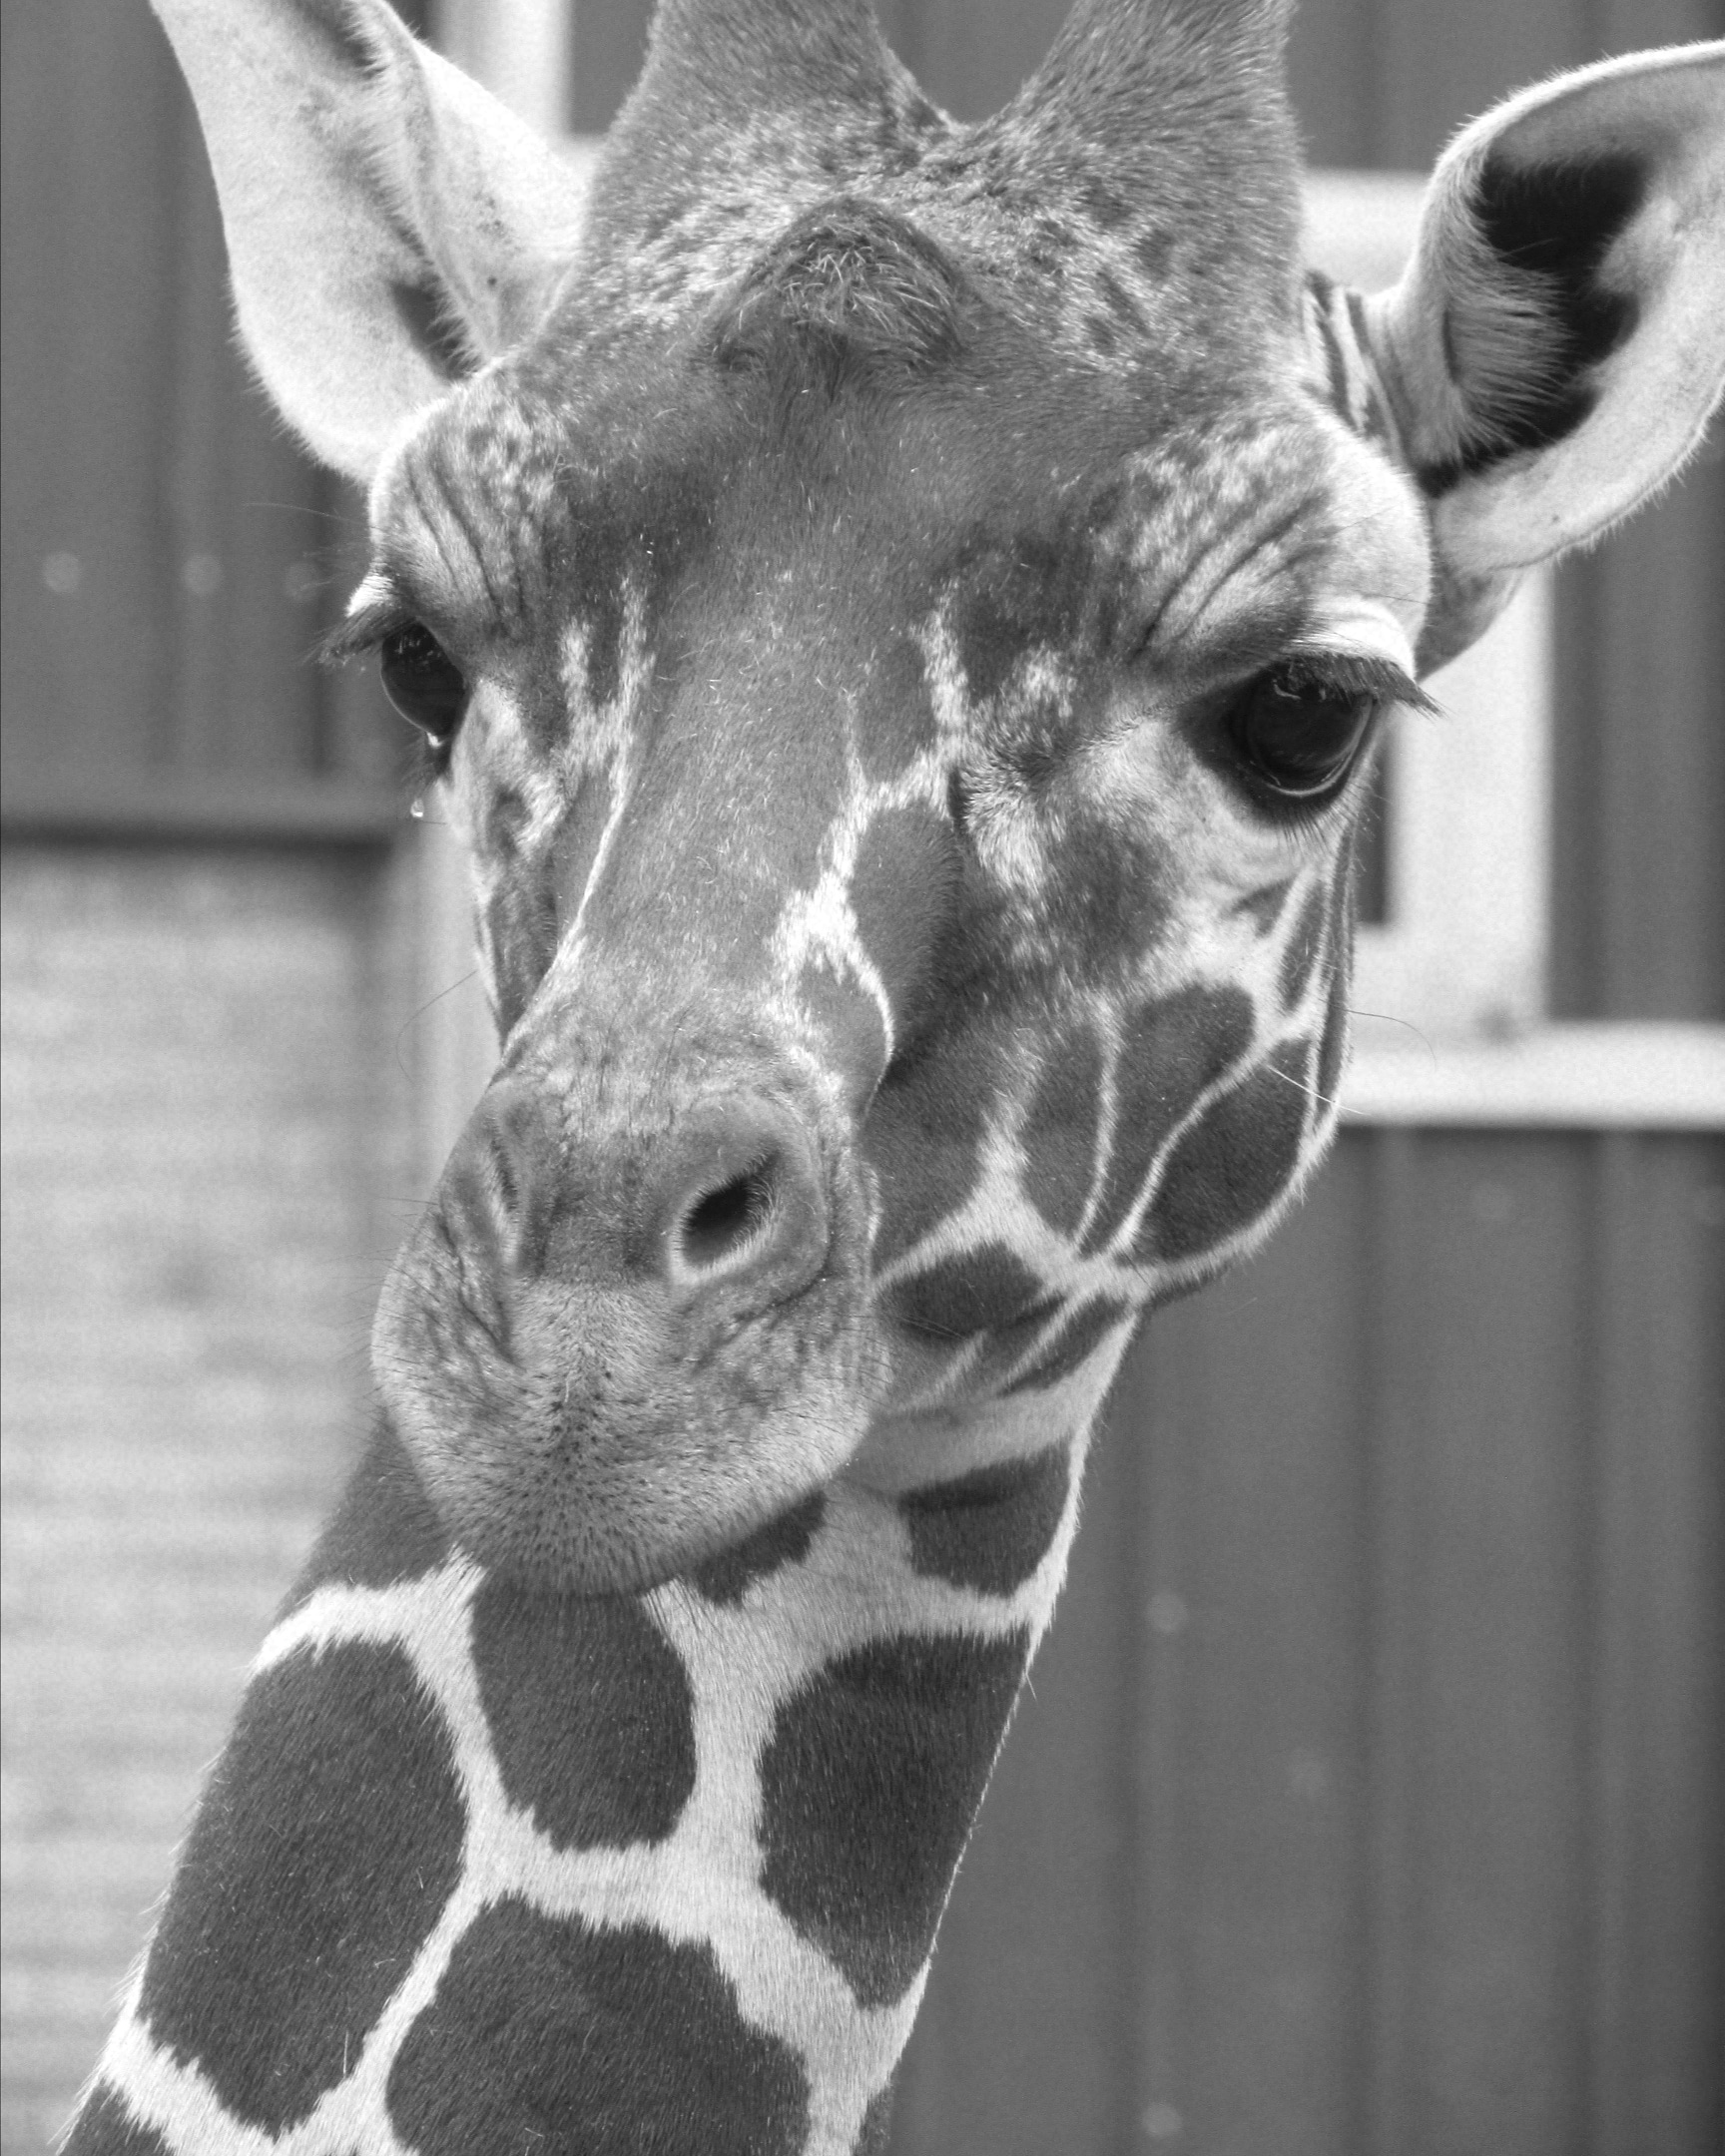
x: 1296, y: 735
x: 424, y: 683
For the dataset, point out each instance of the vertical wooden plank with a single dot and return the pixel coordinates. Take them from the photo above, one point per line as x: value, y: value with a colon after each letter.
x: 1616, y: 1337
x: 1654, y: 2066
x: 1332, y: 70
x: 1621, y: 26
x: 1423, y: 1851
x: 250, y: 534
x: 605, y: 55
x: 89, y: 239
x: 1392, y: 1374
x: 1025, y: 2039
x: 1155, y: 1411
x: 1502, y: 1813
x: 1638, y: 914
x: 1672, y: 1977
x: 1270, y: 1705
x: 166, y: 539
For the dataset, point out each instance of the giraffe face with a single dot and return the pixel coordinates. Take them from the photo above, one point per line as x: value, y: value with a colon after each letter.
x: 913, y: 881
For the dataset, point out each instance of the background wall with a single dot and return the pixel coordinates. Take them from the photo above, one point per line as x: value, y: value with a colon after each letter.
x: 197, y: 1121
x: 1367, y: 1794
x: 1368, y: 1798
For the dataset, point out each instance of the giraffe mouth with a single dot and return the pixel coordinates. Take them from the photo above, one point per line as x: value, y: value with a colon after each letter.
x: 602, y: 1392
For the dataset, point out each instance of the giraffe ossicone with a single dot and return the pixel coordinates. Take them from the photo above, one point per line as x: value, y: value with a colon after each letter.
x: 903, y: 615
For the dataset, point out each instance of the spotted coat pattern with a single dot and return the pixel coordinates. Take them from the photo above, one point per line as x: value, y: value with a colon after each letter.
x: 903, y: 985
x: 706, y: 1788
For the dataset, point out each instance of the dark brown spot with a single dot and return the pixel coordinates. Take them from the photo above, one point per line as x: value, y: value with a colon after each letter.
x: 551, y: 2034
x: 1264, y: 907
x: 1172, y: 1050
x: 925, y: 1130
x: 992, y: 1529
x: 326, y: 1843
x: 867, y: 1791
x: 1119, y: 301
x: 978, y: 1291
x: 1154, y: 249
x: 590, y: 1714
x: 782, y: 1541
x: 1062, y: 1128
x: 899, y: 893
x: 1103, y: 202
x: 1073, y: 1346
x: 1235, y: 1163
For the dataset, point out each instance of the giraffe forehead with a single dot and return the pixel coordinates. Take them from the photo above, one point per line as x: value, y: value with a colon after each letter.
x: 878, y: 606
x: 1107, y: 266
x: 998, y: 679
x: 591, y: 456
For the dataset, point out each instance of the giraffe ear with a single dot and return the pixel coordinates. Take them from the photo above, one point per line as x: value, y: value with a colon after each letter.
x: 1558, y: 340
x: 388, y: 223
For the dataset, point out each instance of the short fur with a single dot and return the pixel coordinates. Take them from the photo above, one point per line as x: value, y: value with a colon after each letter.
x: 910, y: 611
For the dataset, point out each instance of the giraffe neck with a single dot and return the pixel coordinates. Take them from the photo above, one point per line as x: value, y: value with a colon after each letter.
x: 479, y: 1859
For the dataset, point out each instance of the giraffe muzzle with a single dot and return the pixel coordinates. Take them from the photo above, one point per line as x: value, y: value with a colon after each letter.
x: 608, y: 1342
x: 722, y: 1214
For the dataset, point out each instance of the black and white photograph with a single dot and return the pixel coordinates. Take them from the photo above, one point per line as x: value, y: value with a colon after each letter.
x: 864, y: 934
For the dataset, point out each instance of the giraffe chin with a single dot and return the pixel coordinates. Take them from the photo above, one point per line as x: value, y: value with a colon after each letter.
x: 589, y: 1457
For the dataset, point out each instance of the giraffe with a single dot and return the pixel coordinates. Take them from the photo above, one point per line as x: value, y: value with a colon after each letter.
x: 903, y: 616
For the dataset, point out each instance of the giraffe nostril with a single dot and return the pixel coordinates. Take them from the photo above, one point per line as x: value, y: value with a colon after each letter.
x: 722, y: 1224
x: 736, y: 1205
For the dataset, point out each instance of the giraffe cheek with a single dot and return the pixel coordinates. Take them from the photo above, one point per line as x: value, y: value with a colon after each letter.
x: 850, y: 1028
x: 925, y: 1132
x: 1305, y: 946
x: 609, y: 1358
x: 517, y: 934
x: 1065, y: 1120
x: 1231, y: 1173
x: 1170, y: 1050
x: 900, y: 894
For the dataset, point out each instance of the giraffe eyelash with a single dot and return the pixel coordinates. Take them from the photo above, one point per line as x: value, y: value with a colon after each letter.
x: 1293, y: 735
x: 1345, y: 672
x: 422, y: 682
x: 363, y: 631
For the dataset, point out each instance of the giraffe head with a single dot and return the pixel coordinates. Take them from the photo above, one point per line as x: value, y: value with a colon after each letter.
x: 903, y: 616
